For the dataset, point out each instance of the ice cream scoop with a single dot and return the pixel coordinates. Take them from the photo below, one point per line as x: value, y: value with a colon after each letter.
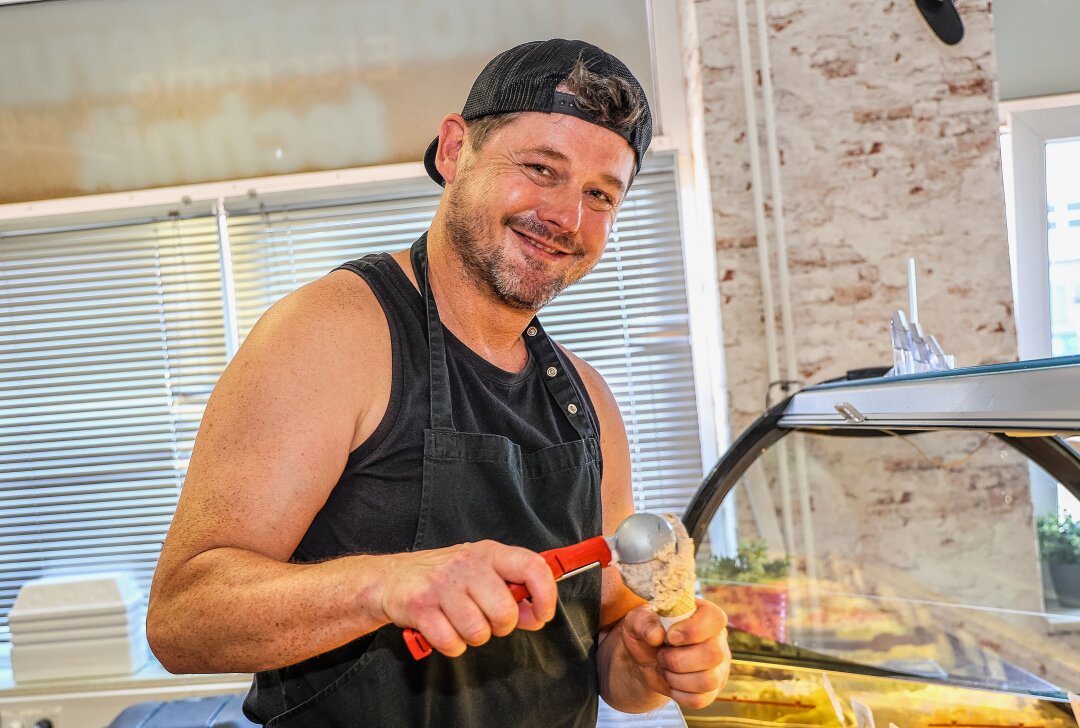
x: 637, y: 540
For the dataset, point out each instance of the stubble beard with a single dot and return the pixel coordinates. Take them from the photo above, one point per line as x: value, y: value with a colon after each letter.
x: 492, y: 268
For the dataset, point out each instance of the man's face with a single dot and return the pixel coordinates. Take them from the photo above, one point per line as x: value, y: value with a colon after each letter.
x: 529, y: 212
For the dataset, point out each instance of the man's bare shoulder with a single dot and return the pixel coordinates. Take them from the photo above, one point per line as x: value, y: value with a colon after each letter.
x: 340, y: 301
x: 330, y: 322
x: 329, y: 336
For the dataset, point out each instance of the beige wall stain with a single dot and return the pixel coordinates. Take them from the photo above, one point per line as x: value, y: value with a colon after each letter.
x: 185, y: 134
x: 106, y: 96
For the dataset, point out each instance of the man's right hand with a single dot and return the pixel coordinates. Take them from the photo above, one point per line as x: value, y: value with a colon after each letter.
x: 459, y: 595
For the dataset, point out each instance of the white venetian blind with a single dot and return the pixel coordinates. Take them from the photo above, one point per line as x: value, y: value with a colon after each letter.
x: 111, y: 337
x: 628, y: 317
x: 279, y: 248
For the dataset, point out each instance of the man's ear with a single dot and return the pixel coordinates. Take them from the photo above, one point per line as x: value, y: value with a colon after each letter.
x: 448, y: 158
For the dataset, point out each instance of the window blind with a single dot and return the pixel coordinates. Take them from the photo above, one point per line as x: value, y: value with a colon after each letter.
x: 276, y: 249
x: 111, y: 339
x: 112, y: 336
x: 629, y: 317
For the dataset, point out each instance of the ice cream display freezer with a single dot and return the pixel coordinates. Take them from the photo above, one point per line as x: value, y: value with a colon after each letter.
x: 901, y: 551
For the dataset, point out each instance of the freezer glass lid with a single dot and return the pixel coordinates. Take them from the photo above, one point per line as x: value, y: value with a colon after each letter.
x: 907, y: 553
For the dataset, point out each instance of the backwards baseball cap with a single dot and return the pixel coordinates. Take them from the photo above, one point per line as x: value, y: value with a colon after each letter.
x: 525, y: 77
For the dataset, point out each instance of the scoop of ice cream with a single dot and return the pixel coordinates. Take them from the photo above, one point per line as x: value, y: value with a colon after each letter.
x: 668, y: 580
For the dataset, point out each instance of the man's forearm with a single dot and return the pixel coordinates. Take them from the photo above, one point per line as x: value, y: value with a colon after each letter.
x: 230, y: 610
x: 622, y: 681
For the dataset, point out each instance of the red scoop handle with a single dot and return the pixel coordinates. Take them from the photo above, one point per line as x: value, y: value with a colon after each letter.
x: 561, y: 561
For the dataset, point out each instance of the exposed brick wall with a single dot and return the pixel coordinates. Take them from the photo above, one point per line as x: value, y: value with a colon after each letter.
x: 888, y: 142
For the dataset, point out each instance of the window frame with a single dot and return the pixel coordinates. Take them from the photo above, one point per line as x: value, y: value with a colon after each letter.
x: 1029, y: 124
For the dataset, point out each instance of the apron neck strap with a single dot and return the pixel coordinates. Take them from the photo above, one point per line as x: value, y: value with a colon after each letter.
x: 442, y: 415
x: 554, y: 370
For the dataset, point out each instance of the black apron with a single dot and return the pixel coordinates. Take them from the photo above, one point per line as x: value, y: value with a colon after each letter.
x: 481, y: 486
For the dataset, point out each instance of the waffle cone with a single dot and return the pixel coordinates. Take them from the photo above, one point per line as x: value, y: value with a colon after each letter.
x: 683, y: 605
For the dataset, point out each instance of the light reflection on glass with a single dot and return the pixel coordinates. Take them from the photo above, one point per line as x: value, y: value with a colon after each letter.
x: 1063, y: 238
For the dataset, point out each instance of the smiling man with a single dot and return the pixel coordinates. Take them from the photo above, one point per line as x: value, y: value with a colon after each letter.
x: 395, y: 442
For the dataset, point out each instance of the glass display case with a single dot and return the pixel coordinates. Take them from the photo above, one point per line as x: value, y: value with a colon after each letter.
x: 875, y: 545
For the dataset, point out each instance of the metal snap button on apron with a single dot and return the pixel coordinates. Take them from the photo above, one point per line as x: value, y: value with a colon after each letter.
x: 571, y: 408
x: 552, y: 371
x: 531, y: 331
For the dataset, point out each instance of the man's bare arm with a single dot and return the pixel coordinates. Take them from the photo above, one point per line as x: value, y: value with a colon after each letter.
x: 310, y: 383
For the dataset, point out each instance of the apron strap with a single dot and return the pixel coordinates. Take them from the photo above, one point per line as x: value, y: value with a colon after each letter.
x: 560, y: 385
x: 442, y: 414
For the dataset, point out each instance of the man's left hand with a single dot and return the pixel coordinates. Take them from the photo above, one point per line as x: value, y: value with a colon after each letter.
x: 690, y: 663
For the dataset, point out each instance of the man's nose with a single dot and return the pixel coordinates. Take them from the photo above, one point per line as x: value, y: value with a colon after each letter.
x: 561, y: 207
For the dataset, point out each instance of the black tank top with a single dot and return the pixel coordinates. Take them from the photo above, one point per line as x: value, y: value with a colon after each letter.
x: 375, y: 506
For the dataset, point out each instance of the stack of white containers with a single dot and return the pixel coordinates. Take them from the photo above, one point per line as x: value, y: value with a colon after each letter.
x: 78, y: 626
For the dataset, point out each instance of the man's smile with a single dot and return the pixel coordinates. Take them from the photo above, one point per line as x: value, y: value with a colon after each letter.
x: 539, y: 248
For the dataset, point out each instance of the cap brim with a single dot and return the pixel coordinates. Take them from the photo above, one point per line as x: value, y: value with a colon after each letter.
x: 429, y: 162
x: 943, y: 19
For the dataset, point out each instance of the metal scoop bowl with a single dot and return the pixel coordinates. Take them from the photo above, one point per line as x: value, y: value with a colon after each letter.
x: 641, y: 537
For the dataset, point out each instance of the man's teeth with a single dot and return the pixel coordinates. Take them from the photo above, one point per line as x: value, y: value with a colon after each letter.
x: 545, y: 248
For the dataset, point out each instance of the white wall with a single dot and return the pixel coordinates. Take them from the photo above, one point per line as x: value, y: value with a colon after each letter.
x: 1038, y: 53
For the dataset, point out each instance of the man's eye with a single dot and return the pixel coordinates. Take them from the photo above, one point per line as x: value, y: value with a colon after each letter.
x: 540, y: 169
x: 602, y: 198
